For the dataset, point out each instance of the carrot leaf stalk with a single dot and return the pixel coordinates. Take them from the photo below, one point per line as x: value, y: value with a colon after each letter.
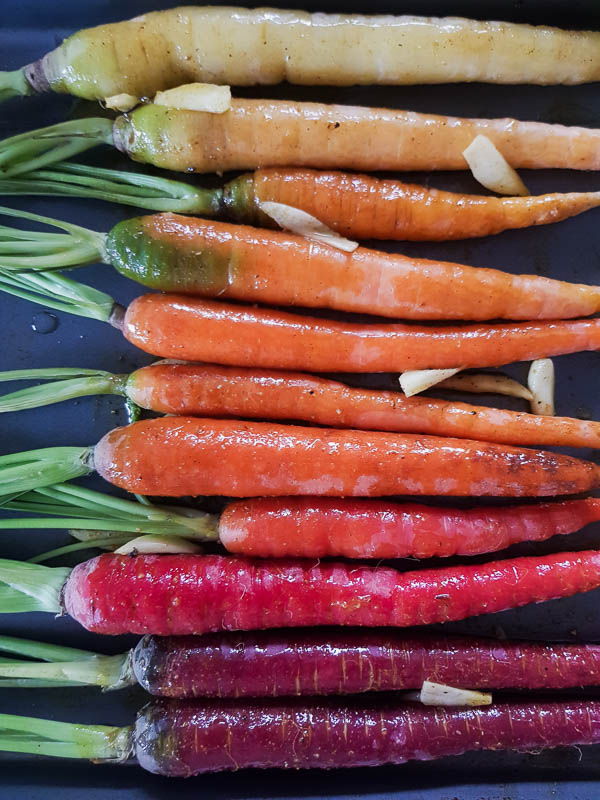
x: 61, y: 666
x: 128, y: 188
x: 20, y: 472
x: 14, y: 84
x: 61, y: 293
x: 68, y: 506
x: 35, y: 149
x: 64, y: 739
x: 69, y: 383
x: 31, y: 587
x: 29, y: 250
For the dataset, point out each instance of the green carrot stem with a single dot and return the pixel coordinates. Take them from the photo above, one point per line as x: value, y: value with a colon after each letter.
x: 64, y: 739
x: 31, y: 469
x: 36, y: 149
x: 127, y: 188
x: 14, y: 84
x: 27, y: 250
x: 88, y: 510
x: 30, y: 587
x: 110, y: 543
x: 71, y: 383
x: 65, y: 665
x: 63, y: 294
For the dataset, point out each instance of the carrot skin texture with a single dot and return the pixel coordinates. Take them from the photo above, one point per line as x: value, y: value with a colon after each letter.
x: 206, y: 390
x: 194, y: 329
x: 366, y: 207
x: 179, y: 456
x: 355, y: 661
x: 189, y: 737
x: 177, y: 595
x: 277, y: 133
x: 216, y: 259
x: 322, y: 527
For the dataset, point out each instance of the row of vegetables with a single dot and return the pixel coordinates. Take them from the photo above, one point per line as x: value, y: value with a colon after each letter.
x: 235, y: 689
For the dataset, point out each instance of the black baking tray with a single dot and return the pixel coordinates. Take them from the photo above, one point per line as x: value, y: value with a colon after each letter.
x: 570, y: 250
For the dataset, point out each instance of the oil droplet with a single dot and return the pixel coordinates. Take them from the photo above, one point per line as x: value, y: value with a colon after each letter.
x: 44, y: 322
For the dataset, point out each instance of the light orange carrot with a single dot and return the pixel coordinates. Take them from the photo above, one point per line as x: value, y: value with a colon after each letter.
x: 263, y: 133
x: 365, y: 207
x: 192, y: 329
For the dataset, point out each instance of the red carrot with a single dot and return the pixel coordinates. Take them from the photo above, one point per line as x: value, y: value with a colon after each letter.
x: 321, y: 662
x: 186, y: 594
x: 183, y: 738
x: 321, y: 527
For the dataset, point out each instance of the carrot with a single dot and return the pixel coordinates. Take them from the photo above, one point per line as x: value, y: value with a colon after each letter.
x: 279, y: 133
x: 282, y: 663
x: 265, y: 46
x: 176, y: 326
x: 204, y: 390
x: 288, y: 663
x: 217, y: 259
x: 190, y: 594
x: 177, y: 738
x: 356, y: 206
x: 323, y: 527
x: 300, y: 527
x: 179, y: 456
x: 192, y: 329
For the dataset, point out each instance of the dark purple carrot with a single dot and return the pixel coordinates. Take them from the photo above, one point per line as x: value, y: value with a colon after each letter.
x: 183, y: 738
x: 288, y: 663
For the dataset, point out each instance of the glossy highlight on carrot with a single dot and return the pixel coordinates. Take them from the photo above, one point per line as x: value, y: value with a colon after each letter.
x: 315, y: 527
x: 207, y: 390
x: 216, y: 259
x: 185, y: 594
x: 366, y: 207
x: 194, y: 329
x: 180, y: 456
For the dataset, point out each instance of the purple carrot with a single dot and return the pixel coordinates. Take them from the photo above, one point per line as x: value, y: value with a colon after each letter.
x: 182, y: 738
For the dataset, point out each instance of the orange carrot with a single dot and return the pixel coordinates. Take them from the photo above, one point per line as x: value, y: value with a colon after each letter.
x: 191, y: 329
x: 365, y: 207
x: 205, y: 390
x: 217, y: 259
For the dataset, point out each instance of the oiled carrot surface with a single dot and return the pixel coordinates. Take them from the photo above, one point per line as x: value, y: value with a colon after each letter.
x: 317, y: 527
x: 365, y: 207
x: 193, y: 329
x: 186, y: 594
x: 179, y: 456
x: 271, y: 133
x: 206, y: 390
x: 216, y: 259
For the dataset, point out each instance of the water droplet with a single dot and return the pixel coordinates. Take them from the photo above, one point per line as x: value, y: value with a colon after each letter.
x: 43, y: 322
